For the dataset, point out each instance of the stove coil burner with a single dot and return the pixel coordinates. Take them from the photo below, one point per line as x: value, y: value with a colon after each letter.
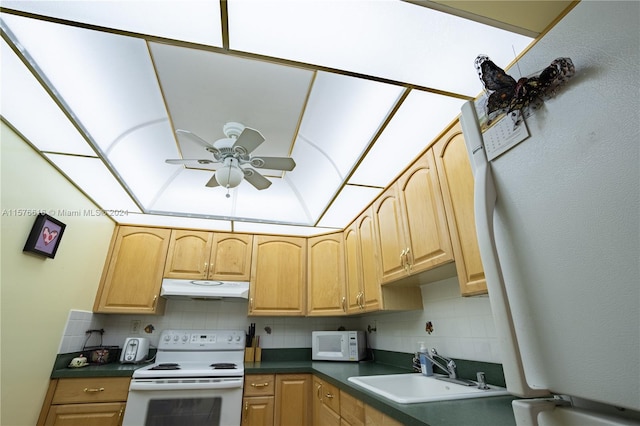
x: 166, y: 366
x: 223, y: 366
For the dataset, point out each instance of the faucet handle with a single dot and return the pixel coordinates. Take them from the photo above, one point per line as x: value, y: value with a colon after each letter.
x: 482, y: 381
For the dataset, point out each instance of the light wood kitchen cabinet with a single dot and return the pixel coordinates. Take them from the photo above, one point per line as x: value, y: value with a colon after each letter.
x: 293, y: 399
x: 364, y: 292
x: 351, y: 410
x: 361, y: 255
x: 278, y: 276
x: 456, y: 183
x: 96, y: 401
x: 326, y: 403
x: 374, y: 417
x: 132, y: 276
x: 202, y: 255
x: 326, y: 281
x: 280, y: 399
x: 258, y: 400
x: 411, y: 223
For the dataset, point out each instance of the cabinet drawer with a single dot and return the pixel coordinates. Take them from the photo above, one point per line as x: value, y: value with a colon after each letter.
x: 259, y: 384
x: 93, y: 389
x: 351, y: 409
x: 331, y: 396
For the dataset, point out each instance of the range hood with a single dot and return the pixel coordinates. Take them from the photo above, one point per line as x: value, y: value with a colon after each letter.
x: 202, y: 289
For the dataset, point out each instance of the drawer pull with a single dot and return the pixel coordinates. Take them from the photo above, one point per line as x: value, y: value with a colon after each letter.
x: 260, y: 385
x: 329, y: 395
x: 89, y: 390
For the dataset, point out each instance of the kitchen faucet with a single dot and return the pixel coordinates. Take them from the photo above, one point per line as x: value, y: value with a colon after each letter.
x: 449, y: 366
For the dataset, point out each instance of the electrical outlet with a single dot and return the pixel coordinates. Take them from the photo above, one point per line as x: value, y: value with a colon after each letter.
x: 135, y: 327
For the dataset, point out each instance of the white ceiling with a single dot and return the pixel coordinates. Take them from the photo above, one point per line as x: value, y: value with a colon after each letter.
x: 351, y: 90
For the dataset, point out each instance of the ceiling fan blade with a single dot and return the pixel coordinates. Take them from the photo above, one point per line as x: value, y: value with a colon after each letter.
x: 273, y: 163
x: 256, y: 179
x: 189, y: 161
x: 212, y: 182
x: 248, y: 140
x: 195, y: 138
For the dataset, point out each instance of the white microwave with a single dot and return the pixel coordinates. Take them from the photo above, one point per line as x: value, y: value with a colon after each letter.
x: 338, y: 345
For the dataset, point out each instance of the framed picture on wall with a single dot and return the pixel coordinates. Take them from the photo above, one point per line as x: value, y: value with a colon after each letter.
x: 45, y: 236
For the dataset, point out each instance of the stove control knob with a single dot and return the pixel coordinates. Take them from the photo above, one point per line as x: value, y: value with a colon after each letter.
x: 167, y: 337
x: 185, y: 338
x: 237, y: 338
x: 175, y: 338
x: 229, y: 338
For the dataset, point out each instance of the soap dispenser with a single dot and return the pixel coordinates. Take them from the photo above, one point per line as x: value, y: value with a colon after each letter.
x: 426, y: 367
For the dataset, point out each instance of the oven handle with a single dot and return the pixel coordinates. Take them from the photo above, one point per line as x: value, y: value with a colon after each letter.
x: 153, y: 385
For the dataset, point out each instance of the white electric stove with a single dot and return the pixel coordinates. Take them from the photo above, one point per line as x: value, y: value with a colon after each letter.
x: 196, y: 379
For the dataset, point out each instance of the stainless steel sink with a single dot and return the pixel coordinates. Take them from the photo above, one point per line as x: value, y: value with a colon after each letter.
x: 414, y: 388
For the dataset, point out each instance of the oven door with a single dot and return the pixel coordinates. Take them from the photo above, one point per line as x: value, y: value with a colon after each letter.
x: 185, y: 401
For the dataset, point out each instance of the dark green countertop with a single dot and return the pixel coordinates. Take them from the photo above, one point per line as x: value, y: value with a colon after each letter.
x: 491, y: 411
x: 114, y: 369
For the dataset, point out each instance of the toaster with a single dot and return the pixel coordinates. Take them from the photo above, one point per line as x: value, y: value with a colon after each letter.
x: 134, y: 350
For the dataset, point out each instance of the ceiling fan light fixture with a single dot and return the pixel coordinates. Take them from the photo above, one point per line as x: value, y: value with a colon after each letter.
x: 230, y: 175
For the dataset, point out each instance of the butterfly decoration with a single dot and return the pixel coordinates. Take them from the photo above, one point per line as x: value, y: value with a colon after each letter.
x: 515, y: 97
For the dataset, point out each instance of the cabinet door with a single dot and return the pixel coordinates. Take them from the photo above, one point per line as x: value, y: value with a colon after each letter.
x: 351, y: 410
x: 390, y: 229
x: 257, y: 411
x: 326, y: 276
x: 293, y: 399
x: 278, y: 276
x: 424, y: 219
x: 353, y: 268
x: 231, y: 257
x: 371, y: 298
x: 103, y: 414
x: 456, y: 182
x: 188, y: 254
x: 133, y: 274
x: 374, y: 417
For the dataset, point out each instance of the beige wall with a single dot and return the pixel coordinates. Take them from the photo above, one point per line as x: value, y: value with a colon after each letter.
x: 36, y: 292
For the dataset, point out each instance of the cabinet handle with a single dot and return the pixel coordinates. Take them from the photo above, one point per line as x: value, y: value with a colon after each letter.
x: 260, y: 385
x: 361, y: 300
x: 251, y: 304
x: 155, y: 300
x: 88, y: 390
x: 344, y: 304
x: 121, y: 412
x: 409, y: 259
x: 206, y: 269
x: 330, y: 396
x: 246, y: 412
x: 318, y: 391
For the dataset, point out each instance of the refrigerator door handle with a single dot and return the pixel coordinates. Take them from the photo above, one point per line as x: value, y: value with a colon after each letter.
x: 484, y: 203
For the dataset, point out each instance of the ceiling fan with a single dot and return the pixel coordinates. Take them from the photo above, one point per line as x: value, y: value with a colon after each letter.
x: 234, y: 152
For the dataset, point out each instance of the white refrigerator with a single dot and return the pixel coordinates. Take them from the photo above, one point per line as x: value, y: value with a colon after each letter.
x: 558, y: 222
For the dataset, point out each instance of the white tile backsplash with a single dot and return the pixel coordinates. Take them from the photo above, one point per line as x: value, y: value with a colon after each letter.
x: 463, y: 327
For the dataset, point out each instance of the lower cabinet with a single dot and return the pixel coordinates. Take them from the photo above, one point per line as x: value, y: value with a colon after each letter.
x: 326, y: 403
x: 335, y: 407
x: 276, y: 399
x: 96, y: 401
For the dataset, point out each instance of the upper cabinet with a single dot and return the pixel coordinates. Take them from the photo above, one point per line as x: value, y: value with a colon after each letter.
x: 361, y: 255
x: 132, y: 275
x: 278, y: 276
x: 411, y: 223
x: 209, y: 256
x: 326, y: 283
x: 456, y: 182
